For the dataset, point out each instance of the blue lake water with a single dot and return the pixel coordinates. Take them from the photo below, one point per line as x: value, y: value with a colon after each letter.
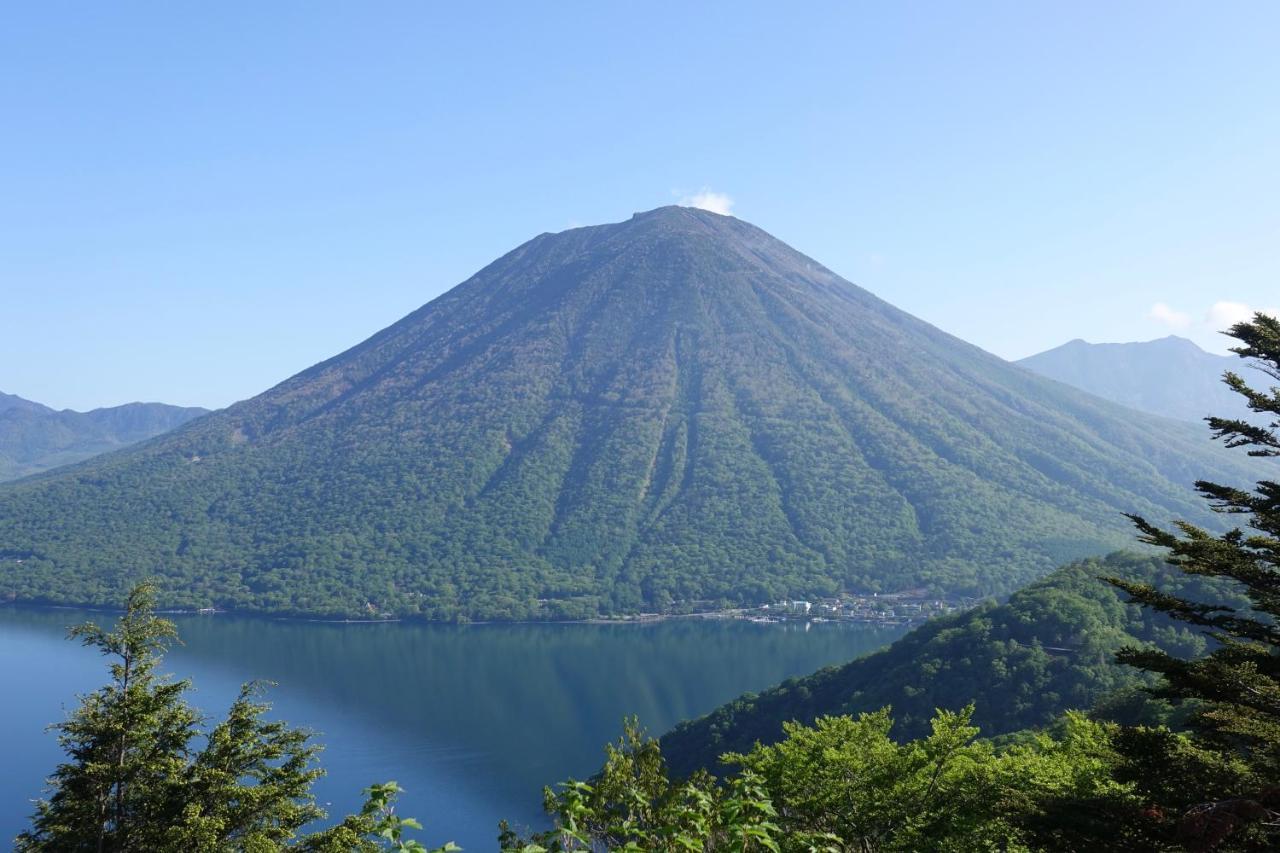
x: 472, y: 721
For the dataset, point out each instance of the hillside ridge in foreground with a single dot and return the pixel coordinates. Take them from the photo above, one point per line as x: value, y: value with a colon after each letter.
x: 1023, y: 663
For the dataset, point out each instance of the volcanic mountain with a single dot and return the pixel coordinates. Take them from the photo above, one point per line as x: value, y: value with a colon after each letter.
x: 652, y: 414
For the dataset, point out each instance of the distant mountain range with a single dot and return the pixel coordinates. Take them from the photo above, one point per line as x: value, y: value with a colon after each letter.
x: 35, y: 438
x: 671, y: 412
x: 1170, y: 376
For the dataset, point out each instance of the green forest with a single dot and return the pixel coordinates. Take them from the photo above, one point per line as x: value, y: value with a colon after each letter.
x: 1050, y: 647
x: 1136, y: 707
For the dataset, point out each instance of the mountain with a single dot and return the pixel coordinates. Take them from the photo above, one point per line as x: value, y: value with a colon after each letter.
x: 651, y: 414
x: 1170, y: 376
x: 1050, y: 648
x: 12, y: 401
x: 35, y: 438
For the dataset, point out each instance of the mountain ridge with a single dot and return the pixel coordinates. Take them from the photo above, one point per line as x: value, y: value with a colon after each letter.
x: 35, y: 438
x: 1170, y: 376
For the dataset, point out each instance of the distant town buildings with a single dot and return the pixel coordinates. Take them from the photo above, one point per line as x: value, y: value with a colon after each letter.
x: 892, y: 608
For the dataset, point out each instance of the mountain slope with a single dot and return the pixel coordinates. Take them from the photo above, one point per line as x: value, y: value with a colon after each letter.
x: 1049, y: 649
x: 35, y: 438
x: 13, y: 401
x: 1171, y: 376
x: 673, y: 408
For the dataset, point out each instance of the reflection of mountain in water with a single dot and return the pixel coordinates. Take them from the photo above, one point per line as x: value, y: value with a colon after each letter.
x: 474, y: 720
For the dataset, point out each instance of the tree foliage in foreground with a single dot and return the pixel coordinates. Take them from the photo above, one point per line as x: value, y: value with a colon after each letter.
x: 1228, y: 789
x: 842, y: 784
x: 1051, y: 647
x: 142, y: 774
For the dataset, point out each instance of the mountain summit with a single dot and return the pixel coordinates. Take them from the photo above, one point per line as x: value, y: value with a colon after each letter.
x: 671, y: 409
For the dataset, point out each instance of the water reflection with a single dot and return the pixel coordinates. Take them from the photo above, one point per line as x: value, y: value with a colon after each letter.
x: 472, y: 720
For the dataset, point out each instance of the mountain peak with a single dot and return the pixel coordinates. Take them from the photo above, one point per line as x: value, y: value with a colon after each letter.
x: 666, y: 211
x: 1182, y: 343
x: 680, y: 218
x: 681, y: 210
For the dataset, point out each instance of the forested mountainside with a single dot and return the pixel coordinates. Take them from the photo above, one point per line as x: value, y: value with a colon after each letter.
x: 1049, y: 649
x: 1171, y: 376
x: 35, y: 438
x: 671, y: 410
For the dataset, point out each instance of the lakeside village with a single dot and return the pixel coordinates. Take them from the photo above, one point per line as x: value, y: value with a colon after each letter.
x: 910, y: 607
x: 902, y: 608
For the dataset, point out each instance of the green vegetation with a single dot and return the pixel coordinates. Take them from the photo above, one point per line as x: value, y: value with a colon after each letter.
x: 1050, y: 647
x: 1222, y: 786
x: 1206, y: 640
x: 670, y: 412
x: 142, y: 775
x: 844, y: 784
x: 841, y: 784
x: 35, y: 438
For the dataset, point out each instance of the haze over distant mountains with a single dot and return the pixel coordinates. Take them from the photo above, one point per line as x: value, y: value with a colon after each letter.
x: 678, y: 408
x: 1170, y: 376
x: 35, y: 438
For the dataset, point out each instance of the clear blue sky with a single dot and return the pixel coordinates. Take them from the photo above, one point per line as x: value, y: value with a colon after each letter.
x: 198, y: 200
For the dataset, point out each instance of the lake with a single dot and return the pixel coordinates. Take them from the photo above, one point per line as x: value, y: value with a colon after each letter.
x: 471, y: 720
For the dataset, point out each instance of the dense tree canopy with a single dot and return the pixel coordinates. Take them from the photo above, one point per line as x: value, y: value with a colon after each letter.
x: 1051, y: 647
x: 841, y: 784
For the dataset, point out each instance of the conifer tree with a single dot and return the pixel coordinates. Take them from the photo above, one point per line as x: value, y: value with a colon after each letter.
x: 1221, y: 789
x: 124, y: 743
x: 139, y: 776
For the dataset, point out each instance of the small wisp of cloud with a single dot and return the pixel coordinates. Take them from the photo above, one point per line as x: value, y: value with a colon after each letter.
x: 1163, y: 314
x: 706, y: 199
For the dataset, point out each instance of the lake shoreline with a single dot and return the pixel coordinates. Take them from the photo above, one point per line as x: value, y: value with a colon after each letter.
x: 734, y: 615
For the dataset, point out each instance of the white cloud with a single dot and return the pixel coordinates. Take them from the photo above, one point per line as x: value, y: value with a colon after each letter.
x: 1223, y: 315
x: 705, y: 199
x: 1205, y: 326
x: 1162, y: 313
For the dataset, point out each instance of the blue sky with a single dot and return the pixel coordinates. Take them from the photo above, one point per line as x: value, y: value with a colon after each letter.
x: 198, y: 200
